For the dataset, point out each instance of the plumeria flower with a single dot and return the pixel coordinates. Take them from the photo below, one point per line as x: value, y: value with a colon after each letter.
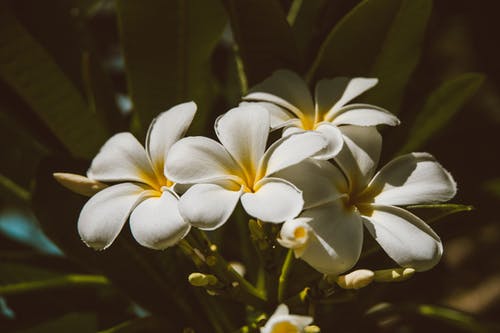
x: 239, y: 167
x: 283, y: 322
x: 328, y: 234
x: 290, y: 104
x: 139, y: 187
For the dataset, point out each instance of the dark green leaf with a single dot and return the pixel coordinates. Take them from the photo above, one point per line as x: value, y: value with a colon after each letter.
x: 72, y: 322
x: 167, y: 47
x: 147, y: 324
x: 378, y: 38
x: 33, y: 74
x: 434, y: 212
x: 263, y: 37
x: 441, y: 105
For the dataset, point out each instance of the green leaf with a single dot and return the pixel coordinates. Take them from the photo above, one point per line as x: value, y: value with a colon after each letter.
x: 167, y: 47
x: 263, y: 37
x: 378, y: 38
x: 72, y: 322
x: 434, y: 212
x: 146, y: 324
x: 33, y: 74
x: 441, y: 105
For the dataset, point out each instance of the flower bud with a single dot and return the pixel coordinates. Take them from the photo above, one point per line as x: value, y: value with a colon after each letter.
x: 356, y: 279
x: 393, y: 275
x: 202, y: 280
x: 78, y: 183
x: 312, y: 329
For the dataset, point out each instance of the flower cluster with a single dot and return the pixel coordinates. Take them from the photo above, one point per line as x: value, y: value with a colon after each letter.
x: 318, y: 179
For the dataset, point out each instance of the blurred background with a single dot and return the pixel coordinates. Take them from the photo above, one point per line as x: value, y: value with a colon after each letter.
x: 461, y: 37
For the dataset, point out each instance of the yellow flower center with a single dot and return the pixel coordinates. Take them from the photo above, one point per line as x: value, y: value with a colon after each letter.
x: 284, y: 327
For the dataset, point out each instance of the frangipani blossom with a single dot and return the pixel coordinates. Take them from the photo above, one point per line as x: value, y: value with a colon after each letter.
x: 239, y: 167
x: 139, y: 187
x: 328, y: 234
x: 287, y: 98
x: 283, y: 322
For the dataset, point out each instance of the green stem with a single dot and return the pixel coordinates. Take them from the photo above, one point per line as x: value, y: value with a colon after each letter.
x: 283, y: 279
x: 66, y: 281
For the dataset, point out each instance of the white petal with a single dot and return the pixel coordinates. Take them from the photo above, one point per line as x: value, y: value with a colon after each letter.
x: 291, y: 150
x: 410, y: 179
x: 278, y: 116
x: 359, y: 155
x: 337, y: 238
x: 156, y: 222
x: 334, y: 138
x: 282, y: 321
x: 404, y: 237
x: 104, y: 215
x: 282, y: 309
x: 208, y: 206
x: 243, y: 131
x: 122, y: 158
x: 275, y: 200
x: 293, y: 128
x: 353, y: 88
x: 364, y: 115
x: 199, y: 159
x: 286, y: 89
x: 320, y: 181
x: 295, y: 234
x: 166, y: 129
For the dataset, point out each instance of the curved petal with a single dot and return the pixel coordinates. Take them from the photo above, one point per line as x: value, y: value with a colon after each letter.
x: 293, y: 128
x: 359, y: 156
x: 278, y: 116
x: 336, y: 238
x: 290, y: 150
x: 156, y: 222
x: 364, y: 115
x: 320, y: 181
x: 334, y: 139
x: 275, y: 200
x: 199, y: 159
x: 286, y: 89
x: 410, y: 179
x: 352, y: 89
x: 166, y: 129
x: 404, y: 237
x: 104, y: 215
x: 208, y: 206
x: 243, y: 131
x: 122, y: 158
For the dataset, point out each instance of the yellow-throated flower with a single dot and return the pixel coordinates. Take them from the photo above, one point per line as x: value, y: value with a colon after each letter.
x: 283, y: 322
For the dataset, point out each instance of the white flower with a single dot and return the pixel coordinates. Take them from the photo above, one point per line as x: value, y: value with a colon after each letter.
x: 290, y: 104
x: 239, y: 167
x: 329, y: 232
x: 140, y: 188
x: 283, y: 322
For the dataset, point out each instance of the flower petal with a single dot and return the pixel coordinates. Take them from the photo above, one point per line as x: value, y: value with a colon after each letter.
x: 291, y: 150
x: 166, y: 129
x: 208, y: 206
x: 156, y: 222
x: 275, y: 200
x: 199, y: 159
x: 334, y: 139
x: 337, y: 238
x: 359, y: 155
x: 286, y: 89
x: 122, y: 158
x: 104, y: 215
x: 404, y: 237
x: 414, y: 178
x: 320, y: 181
x: 364, y: 115
x: 278, y: 116
x: 243, y: 131
x: 329, y: 92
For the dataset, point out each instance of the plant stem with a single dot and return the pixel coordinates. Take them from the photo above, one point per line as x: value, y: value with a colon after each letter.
x: 66, y: 281
x: 283, y: 278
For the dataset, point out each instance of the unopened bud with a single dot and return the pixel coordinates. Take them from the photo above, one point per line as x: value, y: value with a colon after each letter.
x: 78, y: 183
x: 356, y: 280
x: 238, y: 267
x: 393, y: 275
x: 202, y: 280
x: 312, y: 329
